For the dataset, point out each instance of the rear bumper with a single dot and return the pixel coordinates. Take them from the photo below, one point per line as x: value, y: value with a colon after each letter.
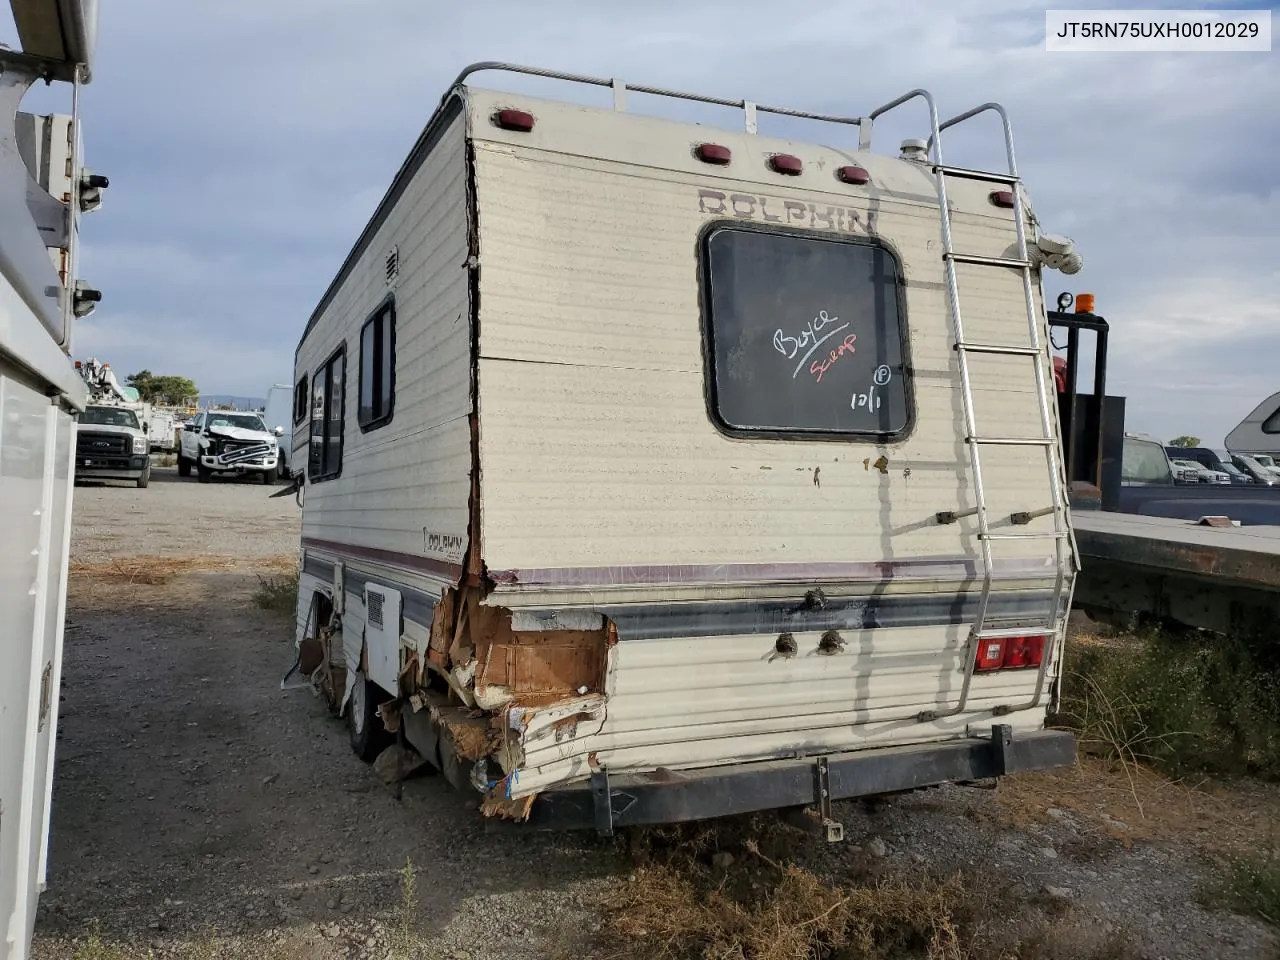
x: 612, y: 802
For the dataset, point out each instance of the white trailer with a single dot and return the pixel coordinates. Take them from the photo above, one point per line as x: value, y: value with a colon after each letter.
x: 1259, y: 432
x: 43, y: 189
x: 652, y: 471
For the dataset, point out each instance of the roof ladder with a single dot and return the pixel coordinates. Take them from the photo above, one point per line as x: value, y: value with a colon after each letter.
x: 1037, y: 353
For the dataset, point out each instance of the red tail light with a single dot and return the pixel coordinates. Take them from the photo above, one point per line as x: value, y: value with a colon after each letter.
x: 1010, y: 653
x: 853, y: 175
x: 990, y: 654
x: 514, y: 120
x: 1002, y: 198
x: 712, y: 153
x: 785, y: 163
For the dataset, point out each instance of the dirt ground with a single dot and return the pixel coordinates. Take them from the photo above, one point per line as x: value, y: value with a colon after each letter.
x: 201, y: 811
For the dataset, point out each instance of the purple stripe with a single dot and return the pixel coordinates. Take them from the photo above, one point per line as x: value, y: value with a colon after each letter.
x: 929, y: 568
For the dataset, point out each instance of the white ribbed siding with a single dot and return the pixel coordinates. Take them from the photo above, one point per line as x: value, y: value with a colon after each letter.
x: 596, y: 446
x: 711, y: 701
x: 413, y: 475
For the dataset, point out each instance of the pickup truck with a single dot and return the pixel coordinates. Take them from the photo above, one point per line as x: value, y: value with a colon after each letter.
x: 1147, y: 487
x: 112, y: 445
x: 222, y: 442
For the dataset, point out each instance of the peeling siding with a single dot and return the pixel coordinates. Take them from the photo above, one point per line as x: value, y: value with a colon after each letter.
x: 412, y: 476
x: 595, y: 440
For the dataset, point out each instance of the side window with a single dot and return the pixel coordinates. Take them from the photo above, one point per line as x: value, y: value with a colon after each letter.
x: 328, y: 415
x: 1272, y: 423
x: 378, y: 368
x: 806, y: 336
x: 301, y: 400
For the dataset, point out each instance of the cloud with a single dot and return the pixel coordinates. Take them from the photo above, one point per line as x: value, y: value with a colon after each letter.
x: 247, y: 143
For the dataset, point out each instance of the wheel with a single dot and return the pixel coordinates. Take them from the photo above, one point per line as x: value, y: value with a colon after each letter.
x: 368, y: 736
x: 270, y: 476
x: 203, y: 473
x: 184, y: 466
x: 145, y: 478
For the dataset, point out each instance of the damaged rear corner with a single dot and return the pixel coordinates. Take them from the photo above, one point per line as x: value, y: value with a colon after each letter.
x: 497, y: 684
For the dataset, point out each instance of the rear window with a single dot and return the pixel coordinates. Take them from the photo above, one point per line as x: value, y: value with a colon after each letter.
x: 806, y: 336
x: 1144, y: 462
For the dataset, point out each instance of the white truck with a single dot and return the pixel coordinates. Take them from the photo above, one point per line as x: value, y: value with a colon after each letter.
x: 112, y: 444
x: 652, y: 472
x: 160, y: 430
x: 44, y: 188
x: 229, y: 442
x: 113, y: 436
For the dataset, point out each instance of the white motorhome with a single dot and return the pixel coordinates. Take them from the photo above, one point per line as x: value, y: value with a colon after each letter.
x: 1259, y: 432
x: 655, y: 471
x: 43, y: 190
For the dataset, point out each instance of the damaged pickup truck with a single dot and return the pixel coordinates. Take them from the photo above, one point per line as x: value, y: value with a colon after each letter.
x: 641, y: 467
x: 222, y: 442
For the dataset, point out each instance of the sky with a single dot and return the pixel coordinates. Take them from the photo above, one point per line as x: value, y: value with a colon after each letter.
x: 247, y: 143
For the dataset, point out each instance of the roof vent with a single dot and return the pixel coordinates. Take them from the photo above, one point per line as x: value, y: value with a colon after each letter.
x: 915, y: 150
x: 393, y: 264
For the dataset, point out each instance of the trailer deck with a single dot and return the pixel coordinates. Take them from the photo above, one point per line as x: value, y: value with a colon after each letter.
x: 1222, y: 578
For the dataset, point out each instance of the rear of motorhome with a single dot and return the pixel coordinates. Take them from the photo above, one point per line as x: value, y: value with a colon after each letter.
x: 654, y: 471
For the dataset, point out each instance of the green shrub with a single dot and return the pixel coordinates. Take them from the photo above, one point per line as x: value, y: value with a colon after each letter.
x: 278, y: 594
x: 1250, y: 885
x: 1201, y: 703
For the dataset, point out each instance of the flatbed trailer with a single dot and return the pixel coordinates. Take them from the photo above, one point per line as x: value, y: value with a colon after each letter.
x: 1162, y: 564
x: 1220, y: 578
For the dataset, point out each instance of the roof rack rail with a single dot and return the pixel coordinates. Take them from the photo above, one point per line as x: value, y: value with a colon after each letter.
x: 749, y: 108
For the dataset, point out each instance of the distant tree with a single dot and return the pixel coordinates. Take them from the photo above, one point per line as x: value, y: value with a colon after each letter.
x: 1185, y: 441
x: 140, y: 381
x: 168, y: 388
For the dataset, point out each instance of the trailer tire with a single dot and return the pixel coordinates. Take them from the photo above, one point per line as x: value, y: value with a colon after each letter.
x: 184, y: 466
x: 368, y: 736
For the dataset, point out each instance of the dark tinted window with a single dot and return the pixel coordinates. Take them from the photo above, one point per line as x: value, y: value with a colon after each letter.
x: 327, y: 417
x: 805, y: 336
x: 377, y: 368
x: 1272, y: 423
x: 300, y: 400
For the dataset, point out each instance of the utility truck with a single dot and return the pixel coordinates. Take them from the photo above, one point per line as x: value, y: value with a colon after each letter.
x: 652, y: 471
x: 44, y: 188
x: 113, y: 435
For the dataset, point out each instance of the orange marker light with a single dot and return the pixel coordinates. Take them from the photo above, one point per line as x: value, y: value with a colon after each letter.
x: 1084, y: 303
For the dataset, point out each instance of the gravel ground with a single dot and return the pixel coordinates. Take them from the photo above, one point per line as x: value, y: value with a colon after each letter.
x: 196, y: 800
x: 176, y: 516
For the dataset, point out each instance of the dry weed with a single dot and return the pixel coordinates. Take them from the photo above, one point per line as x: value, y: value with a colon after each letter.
x: 1137, y: 803
x: 678, y: 907
x: 154, y: 570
